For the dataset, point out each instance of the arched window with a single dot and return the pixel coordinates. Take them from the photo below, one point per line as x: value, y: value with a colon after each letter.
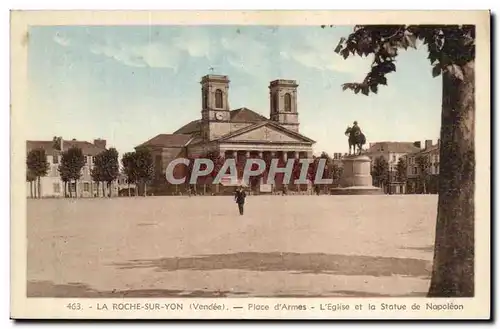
x: 218, y: 99
x: 288, y: 103
x: 275, y: 102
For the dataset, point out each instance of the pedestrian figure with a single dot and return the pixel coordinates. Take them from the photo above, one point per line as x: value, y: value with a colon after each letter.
x: 317, y: 189
x: 239, y: 197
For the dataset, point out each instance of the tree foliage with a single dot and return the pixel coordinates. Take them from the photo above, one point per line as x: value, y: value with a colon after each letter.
x: 380, y: 170
x: 144, y: 166
x: 70, y: 168
x: 37, y: 165
x: 111, y: 168
x: 423, y: 165
x: 402, y: 170
x: 336, y: 173
x: 450, y: 47
x: 129, y: 167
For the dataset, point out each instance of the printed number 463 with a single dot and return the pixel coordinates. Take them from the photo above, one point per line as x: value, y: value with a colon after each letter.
x: 74, y: 306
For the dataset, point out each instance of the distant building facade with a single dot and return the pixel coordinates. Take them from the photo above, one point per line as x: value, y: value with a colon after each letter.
x: 415, y: 183
x: 52, y: 185
x: 392, y: 152
x: 234, y: 133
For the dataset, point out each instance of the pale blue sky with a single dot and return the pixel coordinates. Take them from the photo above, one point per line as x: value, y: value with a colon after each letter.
x: 128, y: 84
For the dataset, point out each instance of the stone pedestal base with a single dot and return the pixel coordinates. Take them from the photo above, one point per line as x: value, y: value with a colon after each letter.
x: 356, y: 177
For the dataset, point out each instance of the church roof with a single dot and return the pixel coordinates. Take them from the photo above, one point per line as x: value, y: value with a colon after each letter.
x: 239, y: 115
x: 190, y: 128
x: 245, y: 115
x: 168, y: 140
x: 265, y: 123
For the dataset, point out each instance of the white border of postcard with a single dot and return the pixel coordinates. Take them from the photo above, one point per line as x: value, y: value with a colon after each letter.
x: 56, y: 308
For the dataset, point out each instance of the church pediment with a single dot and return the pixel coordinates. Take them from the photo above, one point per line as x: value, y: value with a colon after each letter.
x: 266, y: 133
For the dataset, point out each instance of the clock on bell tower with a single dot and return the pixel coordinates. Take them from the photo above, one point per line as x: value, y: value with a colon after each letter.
x: 215, y: 106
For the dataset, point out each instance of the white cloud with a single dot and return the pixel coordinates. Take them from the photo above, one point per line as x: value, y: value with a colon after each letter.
x: 61, y: 40
x: 246, y: 53
x: 316, y: 51
x: 154, y: 55
x: 195, y: 42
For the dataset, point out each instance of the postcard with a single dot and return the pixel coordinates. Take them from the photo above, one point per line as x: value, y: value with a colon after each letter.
x: 250, y: 165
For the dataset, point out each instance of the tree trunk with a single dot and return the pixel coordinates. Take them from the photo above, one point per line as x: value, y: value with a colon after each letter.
x: 103, y: 190
x: 76, y: 188
x: 128, y: 188
x: 31, y: 189
x: 39, y: 186
x: 145, y: 187
x: 109, y: 189
x: 453, y: 269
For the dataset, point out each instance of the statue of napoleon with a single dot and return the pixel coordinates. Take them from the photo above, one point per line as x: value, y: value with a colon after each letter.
x: 356, y: 138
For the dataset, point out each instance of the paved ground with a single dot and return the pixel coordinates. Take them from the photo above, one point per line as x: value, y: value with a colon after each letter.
x: 200, y: 246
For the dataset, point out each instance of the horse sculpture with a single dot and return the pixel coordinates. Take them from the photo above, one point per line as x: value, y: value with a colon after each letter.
x: 356, y: 138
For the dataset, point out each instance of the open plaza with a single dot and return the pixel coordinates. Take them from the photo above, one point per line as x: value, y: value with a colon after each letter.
x: 374, y: 245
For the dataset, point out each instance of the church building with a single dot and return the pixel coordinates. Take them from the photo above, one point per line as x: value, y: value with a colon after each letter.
x: 235, y: 132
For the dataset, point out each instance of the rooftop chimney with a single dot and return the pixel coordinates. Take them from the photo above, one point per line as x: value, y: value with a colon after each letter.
x: 417, y: 144
x: 100, y: 143
x: 428, y: 143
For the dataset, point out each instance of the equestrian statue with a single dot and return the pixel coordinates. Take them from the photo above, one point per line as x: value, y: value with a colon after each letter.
x: 356, y: 138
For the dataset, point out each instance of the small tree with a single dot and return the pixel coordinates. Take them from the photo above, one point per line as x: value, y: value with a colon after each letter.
x: 336, y: 173
x: 111, y: 168
x: 402, y: 171
x: 423, y: 166
x: 145, y: 167
x: 380, y: 171
x: 72, y: 162
x: 38, y: 166
x: 328, y: 172
x: 129, y: 168
x: 30, y: 178
x: 65, y: 174
x: 97, y: 172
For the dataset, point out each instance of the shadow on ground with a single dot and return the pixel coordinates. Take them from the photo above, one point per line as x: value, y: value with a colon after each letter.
x: 297, y: 263
x: 80, y: 290
x: 48, y: 289
x: 423, y: 249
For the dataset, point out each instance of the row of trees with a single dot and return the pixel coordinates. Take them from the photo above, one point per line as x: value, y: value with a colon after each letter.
x: 104, y: 171
x: 138, y: 167
x: 382, y: 175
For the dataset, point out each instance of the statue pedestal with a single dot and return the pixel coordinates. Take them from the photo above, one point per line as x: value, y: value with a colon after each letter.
x: 356, y: 177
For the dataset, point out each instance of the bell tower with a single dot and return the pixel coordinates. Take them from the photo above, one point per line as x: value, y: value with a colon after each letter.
x: 283, y: 103
x: 215, y: 115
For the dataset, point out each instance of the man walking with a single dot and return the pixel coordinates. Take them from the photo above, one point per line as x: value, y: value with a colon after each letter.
x: 239, y: 197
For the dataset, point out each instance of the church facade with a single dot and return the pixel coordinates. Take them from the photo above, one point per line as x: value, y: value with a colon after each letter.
x: 235, y: 133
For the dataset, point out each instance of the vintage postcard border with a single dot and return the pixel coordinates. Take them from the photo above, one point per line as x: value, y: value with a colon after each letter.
x: 23, y: 307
